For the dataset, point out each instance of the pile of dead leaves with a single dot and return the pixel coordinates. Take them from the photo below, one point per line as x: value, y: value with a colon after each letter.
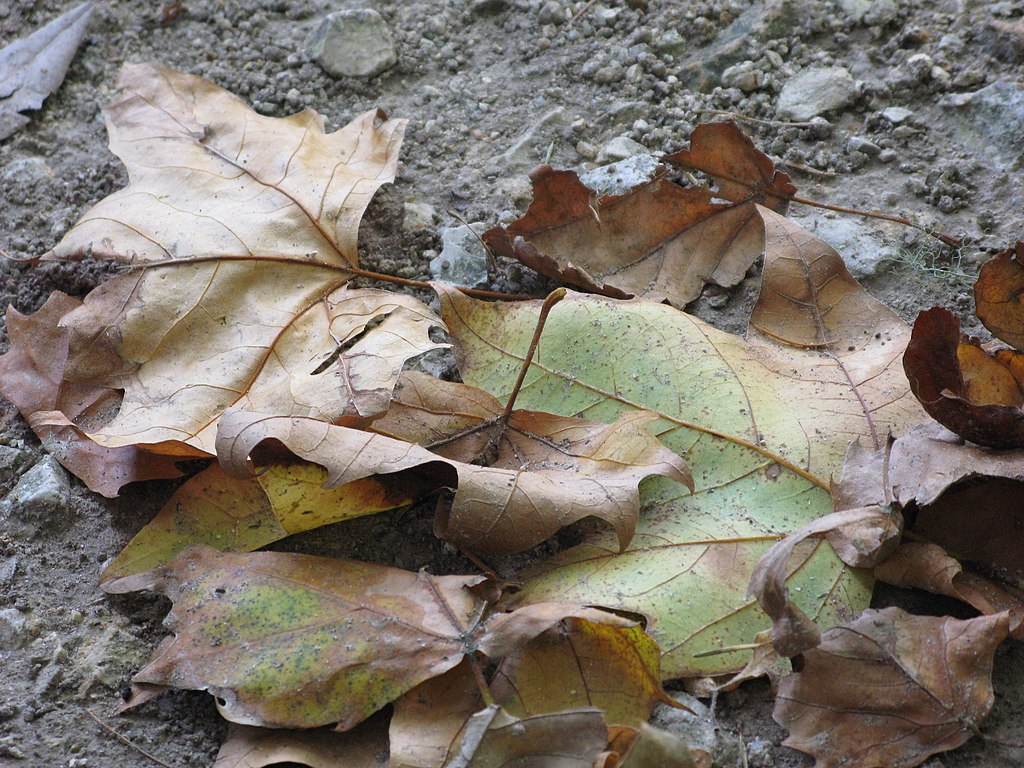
x: 234, y: 332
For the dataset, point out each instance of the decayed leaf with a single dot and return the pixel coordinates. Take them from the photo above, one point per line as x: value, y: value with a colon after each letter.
x: 998, y: 295
x: 241, y: 229
x: 495, y: 739
x: 891, y: 689
x: 647, y: 747
x: 928, y: 566
x: 762, y: 424
x: 32, y: 68
x: 583, y: 664
x: 975, y: 393
x: 291, y: 641
x: 31, y: 377
x: 365, y: 746
x: 241, y: 515
x: 658, y: 240
x: 548, y: 473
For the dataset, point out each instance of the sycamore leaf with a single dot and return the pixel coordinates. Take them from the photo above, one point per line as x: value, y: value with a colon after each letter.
x: 891, y: 689
x: 998, y: 292
x: 659, y: 240
x: 960, y: 488
x: 291, y: 641
x: 648, y: 747
x: 365, y: 746
x: 977, y: 394
x: 549, y: 471
x: 495, y: 739
x: 762, y: 424
x: 240, y: 231
x: 31, y: 377
x: 33, y: 67
x: 241, y: 515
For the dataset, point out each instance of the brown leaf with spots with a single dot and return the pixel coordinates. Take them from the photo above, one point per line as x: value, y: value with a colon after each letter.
x: 659, y: 240
x: 891, y: 689
x: 975, y: 393
x: 32, y: 377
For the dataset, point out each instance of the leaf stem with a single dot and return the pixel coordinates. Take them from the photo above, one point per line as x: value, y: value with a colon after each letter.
x: 553, y: 298
x: 125, y: 740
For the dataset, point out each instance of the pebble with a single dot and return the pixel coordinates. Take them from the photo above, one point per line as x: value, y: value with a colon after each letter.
x: 463, y: 258
x: 888, y: 155
x: 871, y: 12
x: 816, y: 90
x: 417, y: 217
x: 352, y: 43
x: 897, y: 115
x: 551, y: 12
x: 744, y: 76
x: 620, y: 148
x: 8, y: 570
x: 13, y: 632
x: 863, y: 246
x: 618, y: 178
x: 40, y: 499
x: 586, y: 149
x: 11, y: 459
x: 991, y: 120
x: 862, y: 145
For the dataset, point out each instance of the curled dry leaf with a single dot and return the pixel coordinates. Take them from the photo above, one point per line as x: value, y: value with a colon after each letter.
x: 891, y: 689
x: 548, y: 472
x: 687, y: 236
x: 241, y: 231
x: 291, y: 641
x: 241, y: 515
x: 33, y: 67
x: 927, y: 566
x: 998, y: 295
x: 365, y: 746
x: 32, y: 377
x: 973, y: 392
x: 762, y: 422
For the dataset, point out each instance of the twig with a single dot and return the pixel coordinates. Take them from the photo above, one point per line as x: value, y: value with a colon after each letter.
x: 126, y: 741
x: 747, y: 118
x: 803, y: 168
x: 553, y: 298
x: 581, y: 11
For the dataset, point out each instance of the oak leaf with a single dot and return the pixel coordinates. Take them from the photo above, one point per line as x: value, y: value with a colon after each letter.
x: 658, y: 240
x: 548, y: 471
x: 891, y: 689
x: 32, y: 377
x: 239, y: 232
x: 32, y: 68
x: 762, y: 423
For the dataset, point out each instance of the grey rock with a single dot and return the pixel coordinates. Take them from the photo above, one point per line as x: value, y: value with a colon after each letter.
x: 990, y: 121
x: 670, y: 42
x: 618, y: 178
x: 620, y: 148
x: 864, y: 146
x: 39, y: 500
x: 744, y: 76
x: 586, y: 149
x: 531, y: 147
x: 816, y: 90
x: 13, y: 632
x: 107, y: 655
x: 463, y: 258
x: 417, y: 217
x: 897, y: 115
x: 26, y: 170
x: 863, y: 245
x: 352, y: 43
x: 11, y: 459
x: 551, y: 12
x: 488, y: 7
x: 871, y: 12
x: 8, y: 570
x: 888, y: 155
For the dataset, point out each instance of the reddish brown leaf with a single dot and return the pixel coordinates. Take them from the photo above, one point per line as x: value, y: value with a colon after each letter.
x: 658, y: 240
x: 31, y: 377
x: 891, y: 689
x: 962, y: 386
x: 999, y: 295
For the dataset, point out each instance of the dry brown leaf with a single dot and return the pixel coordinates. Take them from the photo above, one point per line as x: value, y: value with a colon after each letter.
x: 687, y: 236
x: 549, y: 471
x: 241, y: 230
x: 964, y: 387
x: 365, y: 746
x: 998, y: 295
x: 891, y: 689
x: 648, y: 747
x: 927, y: 566
x: 32, y: 68
x: 31, y: 377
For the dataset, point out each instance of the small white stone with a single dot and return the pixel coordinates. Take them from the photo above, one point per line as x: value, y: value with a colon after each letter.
x: 353, y: 43
x: 620, y: 148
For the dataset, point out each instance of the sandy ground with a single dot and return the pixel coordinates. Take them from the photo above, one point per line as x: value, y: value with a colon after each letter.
x: 491, y: 88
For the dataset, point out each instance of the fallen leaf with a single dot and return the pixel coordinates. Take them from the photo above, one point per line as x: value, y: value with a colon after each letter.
x: 761, y: 423
x: 962, y: 386
x: 241, y: 515
x: 240, y: 231
x: 927, y: 566
x: 686, y: 237
x: 292, y: 641
x: 365, y: 746
x: 495, y: 739
x: 891, y: 689
x: 31, y: 377
x: 997, y: 295
x: 548, y: 473
x: 32, y: 68
x: 649, y: 747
